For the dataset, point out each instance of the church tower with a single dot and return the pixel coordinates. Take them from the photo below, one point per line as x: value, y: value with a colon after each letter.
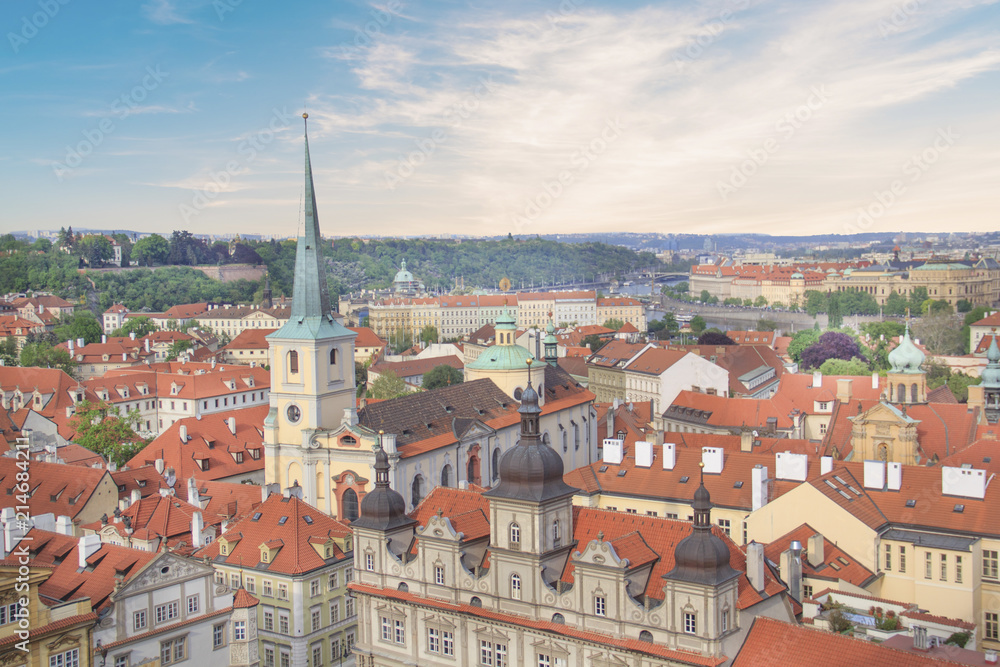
x: 531, y: 513
x: 991, y: 383
x: 312, y: 370
x: 907, y: 380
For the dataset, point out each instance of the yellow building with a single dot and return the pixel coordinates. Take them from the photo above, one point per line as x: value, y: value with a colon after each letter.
x: 53, y: 635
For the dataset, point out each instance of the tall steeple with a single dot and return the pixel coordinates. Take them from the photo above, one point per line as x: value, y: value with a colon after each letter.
x: 310, y: 297
x: 701, y: 557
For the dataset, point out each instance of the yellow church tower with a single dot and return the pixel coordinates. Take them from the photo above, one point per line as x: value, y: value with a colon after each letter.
x: 312, y: 379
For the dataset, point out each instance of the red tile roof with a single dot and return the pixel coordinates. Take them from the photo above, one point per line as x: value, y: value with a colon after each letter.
x: 97, y: 581
x: 55, y: 487
x: 367, y: 338
x: 654, y: 361
x: 228, y: 500
x: 144, y: 478
x: 772, y: 642
x: 615, y: 353
x: 283, y: 523
x: 243, y: 600
x: 250, y: 339
x: 837, y: 564
x: 165, y: 517
x: 211, y: 442
x: 752, y: 337
x: 415, y: 367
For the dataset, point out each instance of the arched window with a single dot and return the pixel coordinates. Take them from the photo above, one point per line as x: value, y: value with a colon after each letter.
x: 417, y: 490
x: 403, y: 586
x: 333, y: 356
x: 546, y: 439
x: 914, y: 393
x: 901, y: 393
x: 496, y: 464
x: 446, y: 475
x: 515, y: 586
x: 515, y: 535
x: 555, y: 533
x: 646, y: 636
x: 558, y: 618
x: 293, y: 362
x: 472, y: 470
x: 475, y: 601
x: 350, y: 505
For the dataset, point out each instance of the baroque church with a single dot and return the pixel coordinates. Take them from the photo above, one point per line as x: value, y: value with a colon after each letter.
x: 319, y: 443
x: 520, y: 576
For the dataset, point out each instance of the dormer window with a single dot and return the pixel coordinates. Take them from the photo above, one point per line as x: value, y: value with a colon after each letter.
x: 238, y: 456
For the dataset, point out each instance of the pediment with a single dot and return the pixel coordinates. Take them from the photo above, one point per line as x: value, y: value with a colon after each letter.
x: 884, y: 413
x: 599, y: 552
x: 163, y: 570
x: 439, y: 527
x: 471, y: 429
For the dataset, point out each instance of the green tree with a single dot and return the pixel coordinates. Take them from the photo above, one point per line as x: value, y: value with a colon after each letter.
x: 698, y: 325
x: 442, y: 375
x: 681, y: 287
x: 42, y: 245
x: 176, y: 348
x: 815, y: 303
x: 879, y: 329
x: 8, y: 352
x: 917, y: 298
x: 388, y: 385
x: 841, y: 367
x: 747, y: 302
x: 800, y: 341
x: 98, y: 250
x: 963, y: 305
x: 101, y: 428
x: 834, y: 315
x: 429, y: 334
x: 895, y: 304
x: 766, y: 325
x: 44, y: 355
x: 151, y: 250
x: 614, y: 324
x: 82, y: 324
x: 141, y: 326
x: 360, y: 376
x: 705, y: 296
x: 938, y: 307
x: 401, y: 340
x: 760, y: 301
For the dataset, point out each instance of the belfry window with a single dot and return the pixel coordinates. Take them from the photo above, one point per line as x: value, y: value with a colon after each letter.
x: 293, y: 362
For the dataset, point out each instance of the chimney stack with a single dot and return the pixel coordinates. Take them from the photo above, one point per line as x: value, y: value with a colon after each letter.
x: 844, y: 389
x: 193, y: 497
x: 875, y: 380
x: 825, y: 464
x: 89, y: 545
x: 613, y: 451
x: 146, y: 341
x: 817, y: 379
x: 64, y: 525
x: 643, y: 454
x: 183, y: 430
x: 791, y: 569
x: 669, y: 455
x: 814, y: 550
x: 197, y: 525
x: 135, y: 496
x: 746, y: 440
x: 131, y: 335
x: 755, y: 565
x: 104, y: 338
x: 759, y: 482
x: 232, y: 425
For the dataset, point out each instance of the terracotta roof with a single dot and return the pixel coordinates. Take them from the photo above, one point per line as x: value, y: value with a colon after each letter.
x: 615, y: 354
x: 74, y: 455
x: 243, y: 600
x: 483, y: 335
x: 741, y: 360
x: 367, y: 338
x: 752, y: 337
x: 97, y: 581
x: 557, y: 296
x: 844, y: 489
x: 574, y: 365
x: 837, y: 564
x: 117, y: 308
x: 561, y: 629
x: 229, y: 500
x: 250, y: 339
x: 181, y: 381
x: 144, y: 478
x: 942, y: 620
x: 607, y: 302
x: 654, y: 361
x: 992, y: 320
x: 10, y: 324
x: 164, y: 517
x: 632, y: 417
x: 942, y: 394
x: 55, y: 487
x: 724, y: 412
x: 212, y: 443
x: 773, y: 642
x: 628, y: 327
x: 52, y: 627
x: 288, y: 523
x: 415, y: 367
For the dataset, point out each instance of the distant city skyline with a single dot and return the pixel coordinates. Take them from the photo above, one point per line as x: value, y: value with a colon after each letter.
x: 783, y: 118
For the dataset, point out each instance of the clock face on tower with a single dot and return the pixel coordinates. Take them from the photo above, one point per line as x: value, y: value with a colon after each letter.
x: 293, y: 413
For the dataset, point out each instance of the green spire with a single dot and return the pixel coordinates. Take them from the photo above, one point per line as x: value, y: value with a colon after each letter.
x: 310, y: 297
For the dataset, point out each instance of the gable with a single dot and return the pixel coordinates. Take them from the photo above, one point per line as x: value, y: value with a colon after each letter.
x: 165, y: 569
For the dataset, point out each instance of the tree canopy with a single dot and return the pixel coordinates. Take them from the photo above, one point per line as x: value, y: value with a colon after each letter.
x: 388, y: 385
x: 101, y: 428
x: 831, y: 345
x: 442, y: 375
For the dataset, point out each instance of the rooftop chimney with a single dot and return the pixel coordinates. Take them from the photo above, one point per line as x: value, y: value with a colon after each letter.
x: 814, y: 550
x: 64, y: 525
x: 920, y: 638
x: 104, y: 338
x: 231, y: 422
x: 89, y: 545
x: 183, y: 430
x: 817, y: 379
x: 146, y: 341
x: 669, y: 455
x: 70, y: 344
x: 81, y: 342
x: 755, y: 565
x: 135, y: 496
x: 197, y: 525
x: 875, y: 380
x: 746, y: 440
x: 844, y: 389
x: 131, y: 335
x: 964, y: 482
x: 874, y: 474
x: 791, y: 466
x: 825, y: 464
x: 643, y: 454
x: 714, y: 459
x: 791, y: 569
x: 193, y: 497
x: 613, y: 451
x: 895, y: 476
x: 758, y: 496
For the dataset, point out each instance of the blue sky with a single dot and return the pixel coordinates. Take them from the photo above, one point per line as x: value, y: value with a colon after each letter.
x: 486, y: 117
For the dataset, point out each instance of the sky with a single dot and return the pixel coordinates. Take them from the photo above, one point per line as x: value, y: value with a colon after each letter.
x: 484, y: 118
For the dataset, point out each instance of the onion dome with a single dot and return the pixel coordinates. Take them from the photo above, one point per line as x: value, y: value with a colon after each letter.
x: 991, y: 374
x: 383, y: 508
x: 702, y: 557
x: 505, y: 354
x: 403, y: 276
x: 531, y: 470
x: 906, y: 357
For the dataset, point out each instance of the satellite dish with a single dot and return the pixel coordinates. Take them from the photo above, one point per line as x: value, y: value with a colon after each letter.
x: 505, y: 284
x: 755, y: 434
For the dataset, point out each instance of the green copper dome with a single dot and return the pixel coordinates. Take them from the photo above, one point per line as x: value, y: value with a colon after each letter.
x: 506, y: 321
x: 502, y: 358
x: 991, y: 374
x: 906, y: 358
x: 403, y: 276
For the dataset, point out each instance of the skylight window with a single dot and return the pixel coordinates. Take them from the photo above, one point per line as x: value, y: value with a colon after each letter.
x: 911, y: 503
x: 602, y: 469
x: 621, y: 473
x: 959, y: 509
x: 684, y: 479
x: 282, y: 520
x: 738, y: 485
x: 308, y: 519
x: 256, y: 516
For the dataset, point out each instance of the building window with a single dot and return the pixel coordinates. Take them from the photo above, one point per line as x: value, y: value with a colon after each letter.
x: 122, y: 660
x: 690, y: 623
x: 282, y: 591
x: 515, y: 586
x: 515, y: 536
x: 293, y: 362
x: 333, y: 582
x: 888, y: 557
x: 286, y: 659
x: 267, y: 592
x: 958, y: 569
x: 348, y: 607
x: 70, y: 658
x: 807, y: 591
x: 166, y: 612
x: 726, y: 526
x: 386, y: 629
x: 944, y: 567
x: 192, y: 604
x: 433, y: 640
x: 439, y: 575
x: 725, y: 617
x: 928, y: 565
x: 173, y: 650
x: 268, y: 619
x: 556, y: 537
x: 268, y: 656
x: 600, y: 605
x: 447, y: 643
x: 902, y: 559
x: 334, y: 611
x: 992, y: 626
x: 550, y: 661
x: 317, y: 655
x: 990, y: 563
x: 314, y: 588
x: 350, y: 502
x: 218, y: 635
x: 239, y: 630
x: 400, y: 632
x: 251, y: 585
x: 492, y: 654
x: 139, y: 620
x: 283, y: 622
x: 316, y: 622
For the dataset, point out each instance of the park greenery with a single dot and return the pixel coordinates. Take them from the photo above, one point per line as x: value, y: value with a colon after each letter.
x: 101, y: 428
x: 442, y: 375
